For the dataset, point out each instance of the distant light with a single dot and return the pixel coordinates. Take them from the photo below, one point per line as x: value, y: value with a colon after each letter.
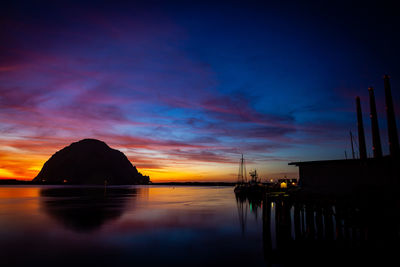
x: 283, y: 185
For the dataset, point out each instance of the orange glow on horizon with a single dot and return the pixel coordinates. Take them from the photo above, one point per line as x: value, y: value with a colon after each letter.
x: 21, y: 168
x: 23, y: 159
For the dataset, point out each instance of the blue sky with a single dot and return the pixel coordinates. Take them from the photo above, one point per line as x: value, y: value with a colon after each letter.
x: 184, y: 87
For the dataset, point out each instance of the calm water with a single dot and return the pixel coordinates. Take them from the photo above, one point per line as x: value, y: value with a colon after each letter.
x: 186, y: 226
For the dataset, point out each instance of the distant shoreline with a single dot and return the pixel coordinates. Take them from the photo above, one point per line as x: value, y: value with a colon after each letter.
x: 197, y: 183
x: 19, y: 182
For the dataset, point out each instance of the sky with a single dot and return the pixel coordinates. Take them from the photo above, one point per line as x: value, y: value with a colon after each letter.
x: 183, y: 88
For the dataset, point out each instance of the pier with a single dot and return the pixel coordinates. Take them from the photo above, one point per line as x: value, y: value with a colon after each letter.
x: 315, y: 230
x: 361, y: 175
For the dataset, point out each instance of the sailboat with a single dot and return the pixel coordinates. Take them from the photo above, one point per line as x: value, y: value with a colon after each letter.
x: 253, y: 186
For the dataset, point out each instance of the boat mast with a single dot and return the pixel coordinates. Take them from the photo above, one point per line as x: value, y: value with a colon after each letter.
x: 242, y: 171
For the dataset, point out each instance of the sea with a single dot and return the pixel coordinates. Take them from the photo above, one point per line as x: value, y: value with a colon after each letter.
x: 189, y: 226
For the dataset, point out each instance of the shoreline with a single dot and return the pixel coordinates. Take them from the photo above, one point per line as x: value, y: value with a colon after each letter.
x: 20, y: 182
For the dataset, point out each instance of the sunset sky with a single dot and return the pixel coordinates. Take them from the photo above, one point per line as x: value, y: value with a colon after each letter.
x: 184, y: 87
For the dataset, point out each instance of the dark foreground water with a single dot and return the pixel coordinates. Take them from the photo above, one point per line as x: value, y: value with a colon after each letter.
x: 188, y: 226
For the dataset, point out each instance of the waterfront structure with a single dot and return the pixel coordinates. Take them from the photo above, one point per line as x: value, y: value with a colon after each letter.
x: 363, y: 174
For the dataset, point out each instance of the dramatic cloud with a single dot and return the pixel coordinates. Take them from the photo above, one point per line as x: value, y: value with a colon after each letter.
x: 182, y: 91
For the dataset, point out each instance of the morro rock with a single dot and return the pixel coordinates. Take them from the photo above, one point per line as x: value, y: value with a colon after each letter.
x: 90, y: 161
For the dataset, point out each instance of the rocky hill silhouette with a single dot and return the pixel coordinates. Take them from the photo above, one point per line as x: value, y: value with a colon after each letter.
x: 90, y: 161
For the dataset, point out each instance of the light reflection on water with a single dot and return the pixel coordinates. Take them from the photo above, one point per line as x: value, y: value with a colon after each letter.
x: 140, y: 225
x: 184, y: 226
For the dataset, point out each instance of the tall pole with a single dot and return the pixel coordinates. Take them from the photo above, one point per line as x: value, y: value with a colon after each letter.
x: 352, y: 147
x: 376, y: 139
x: 391, y: 120
x: 360, y: 126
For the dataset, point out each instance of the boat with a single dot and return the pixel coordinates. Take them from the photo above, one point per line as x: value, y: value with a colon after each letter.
x: 243, y: 186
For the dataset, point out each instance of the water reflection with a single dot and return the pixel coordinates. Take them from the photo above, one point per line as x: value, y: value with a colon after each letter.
x: 324, y: 232
x: 189, y: 226
x: 85, y: 209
